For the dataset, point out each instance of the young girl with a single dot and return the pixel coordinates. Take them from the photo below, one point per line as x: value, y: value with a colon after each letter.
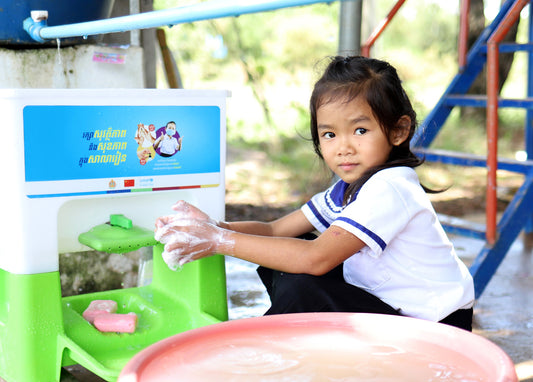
x: 381, y: 248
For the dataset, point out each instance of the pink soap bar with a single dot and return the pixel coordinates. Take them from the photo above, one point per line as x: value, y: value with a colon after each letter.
x: 114, y: 322
x: 98, y: 307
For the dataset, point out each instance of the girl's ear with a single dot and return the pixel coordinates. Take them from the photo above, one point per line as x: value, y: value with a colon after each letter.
x: 402, y: 130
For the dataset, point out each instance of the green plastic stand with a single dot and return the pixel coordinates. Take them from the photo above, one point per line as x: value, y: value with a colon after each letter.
x: 31, y: 322
x: 40, y: 331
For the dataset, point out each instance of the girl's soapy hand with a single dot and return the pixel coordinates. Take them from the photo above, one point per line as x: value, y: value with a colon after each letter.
x: 184, y: 210
x: 189, y: 239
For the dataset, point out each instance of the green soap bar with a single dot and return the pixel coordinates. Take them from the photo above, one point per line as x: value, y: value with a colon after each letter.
x: 120, y: 221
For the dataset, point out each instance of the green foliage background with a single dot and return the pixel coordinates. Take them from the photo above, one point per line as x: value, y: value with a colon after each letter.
x: 269, y: 62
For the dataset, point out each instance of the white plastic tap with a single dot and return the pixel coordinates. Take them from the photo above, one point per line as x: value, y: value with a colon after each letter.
x: 38, y: 16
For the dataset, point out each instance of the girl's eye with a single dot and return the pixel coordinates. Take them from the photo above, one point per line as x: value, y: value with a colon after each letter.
x: 328, y: 135
x: 360, y: 131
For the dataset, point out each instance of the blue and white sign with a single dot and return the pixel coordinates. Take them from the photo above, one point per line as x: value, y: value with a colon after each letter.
x: 123, y: 147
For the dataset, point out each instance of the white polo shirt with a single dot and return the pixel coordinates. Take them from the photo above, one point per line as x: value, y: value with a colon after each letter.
x: 169, y: 145
x: 408, y: 261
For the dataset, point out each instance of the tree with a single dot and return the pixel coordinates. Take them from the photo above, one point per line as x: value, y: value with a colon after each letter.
x: 249, y: 56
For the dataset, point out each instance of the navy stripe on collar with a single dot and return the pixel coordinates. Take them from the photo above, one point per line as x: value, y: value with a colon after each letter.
x: 337, y: 193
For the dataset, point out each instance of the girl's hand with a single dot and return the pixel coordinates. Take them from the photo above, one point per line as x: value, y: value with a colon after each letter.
x: 184, y: 211
x: 189, y: 239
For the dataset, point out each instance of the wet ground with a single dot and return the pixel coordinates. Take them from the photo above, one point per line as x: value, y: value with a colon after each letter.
x: 503, y: 314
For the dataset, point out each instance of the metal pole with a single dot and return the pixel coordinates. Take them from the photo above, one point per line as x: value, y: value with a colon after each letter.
x: 365, y: 50
x: 463, y: 33
x: 492, y: 113
x: 135, y: 34
x: 350, y: 27
x: 492, y: 138
x: 529, y: 112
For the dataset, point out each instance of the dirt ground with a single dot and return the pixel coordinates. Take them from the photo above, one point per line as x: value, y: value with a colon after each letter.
x: 459, y: 207
x: 256, y: 191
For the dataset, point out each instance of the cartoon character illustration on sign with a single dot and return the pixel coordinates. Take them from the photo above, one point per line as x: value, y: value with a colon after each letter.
x: 169, y: 140
x: 145, y: 138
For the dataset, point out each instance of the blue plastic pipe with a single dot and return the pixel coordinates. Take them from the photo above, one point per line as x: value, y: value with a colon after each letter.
x: 213, y: 9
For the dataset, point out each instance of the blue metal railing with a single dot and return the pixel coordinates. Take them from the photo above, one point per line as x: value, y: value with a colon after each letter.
x: 40, y: 31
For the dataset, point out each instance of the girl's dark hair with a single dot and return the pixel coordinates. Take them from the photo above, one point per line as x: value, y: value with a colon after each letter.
x: 347, y: 78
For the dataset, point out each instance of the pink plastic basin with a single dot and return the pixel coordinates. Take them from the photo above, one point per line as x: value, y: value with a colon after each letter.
x: 322, y: 347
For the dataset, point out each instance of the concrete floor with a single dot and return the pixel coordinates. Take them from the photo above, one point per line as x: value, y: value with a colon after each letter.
x: 503, y: 314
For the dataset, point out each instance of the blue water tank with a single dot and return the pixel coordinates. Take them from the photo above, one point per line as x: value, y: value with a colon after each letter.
x: 60, y: 12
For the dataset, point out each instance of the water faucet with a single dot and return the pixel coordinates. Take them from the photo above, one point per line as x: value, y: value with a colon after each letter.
x: 35, y: 23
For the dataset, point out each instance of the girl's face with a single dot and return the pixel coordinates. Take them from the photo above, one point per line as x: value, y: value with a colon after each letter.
x: 351, y: 139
